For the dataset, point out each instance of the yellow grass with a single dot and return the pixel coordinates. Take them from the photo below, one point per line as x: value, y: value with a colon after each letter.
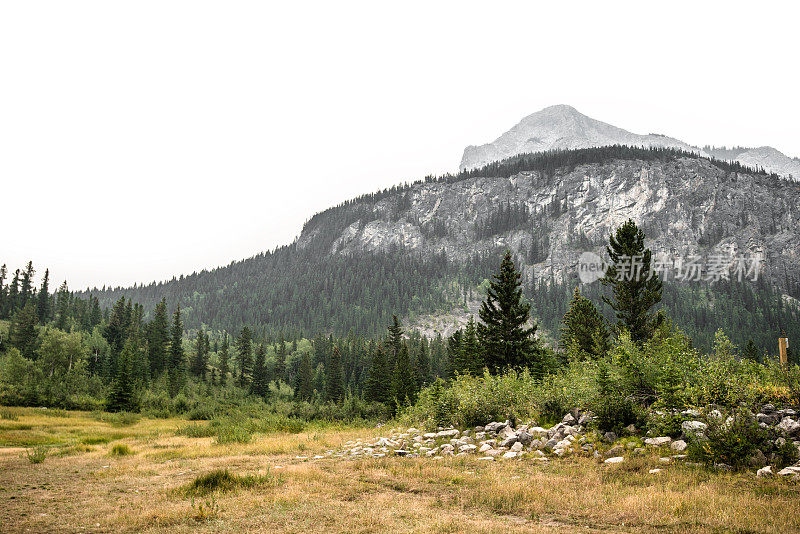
x: 82, y: 487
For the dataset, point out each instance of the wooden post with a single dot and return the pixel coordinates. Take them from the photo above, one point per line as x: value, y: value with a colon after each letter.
x: 783, y: 345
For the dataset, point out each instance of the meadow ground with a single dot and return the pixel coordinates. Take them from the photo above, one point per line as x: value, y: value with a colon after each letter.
x: 106, y: 474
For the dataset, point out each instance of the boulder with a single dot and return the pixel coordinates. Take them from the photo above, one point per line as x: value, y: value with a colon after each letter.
x: 517, y: 447
x: 569, y: 419
x: 654, y: 471
x: 537, y: 432
x: 494, y: 427
x: 768, y: 408
x: 678, y: 446
x: 614, y: 451
x: 451, y: 433
x: 765, y: 472
x: 525, y: 438
x: 757, y: 459
x: 510, y: 454
x: 488, y: 458
x: 506, y: 432
x: 485, y: 447
x: 658, y: 442
x: 693, y: 427
x: 614, y: 460
x: 508, y: 442
x: 788, y: 426
x: 631, y: 429
x: 467, y: 448
x: 610, y: 437
x: 585, y: 419
x: 789, y: 471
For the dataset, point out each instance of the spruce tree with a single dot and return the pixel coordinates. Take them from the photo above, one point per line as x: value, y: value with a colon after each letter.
x: 634, y: 288
x: 506, y: 340
x: 260, y: 385
x: 395, y: 339
x: 26, y: 286
x: 471, y: 354
x: 224, y: 366
x: 423, y: 364
x: 455, y: 354
x: 177, y: 365
x: 583, y: 326
x: 750, y: 351
x: 13, y: 294
x: 334, y: 387
x: 3, y: 292
x: 22, y: 332
x: 43, y: 300
x: 122, y: 396
x: 404, y: 388
x: 304, y: 381
x: 200, y: 360
x: 379, y: 378
x: 158, y: 339
x: 244, y: 351
x: 63, y: 316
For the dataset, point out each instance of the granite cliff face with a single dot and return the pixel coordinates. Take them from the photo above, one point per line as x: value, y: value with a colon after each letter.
x: 687, y: 206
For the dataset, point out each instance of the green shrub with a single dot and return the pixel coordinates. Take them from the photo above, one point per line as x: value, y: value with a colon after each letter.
x: 222, y: 480
x: 121, y: 450
x: 37, y: 454
x: 202, y: 412
x: 728, y: 440
x: 613, y: 413
x: 196, y: 431
x: 9, y: 415
x: 232, y: 433
x: 666, y: 424
x: 785, y: 455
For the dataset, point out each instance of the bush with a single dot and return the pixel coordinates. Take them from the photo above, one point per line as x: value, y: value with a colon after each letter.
x: 121, y: 450
x: 196, y: 431
x: 728, y: 440
x: 613, y: 413
x: 222, y: 480
x: 666, y: 424
x: 785, y: 455
x: 37, y: 454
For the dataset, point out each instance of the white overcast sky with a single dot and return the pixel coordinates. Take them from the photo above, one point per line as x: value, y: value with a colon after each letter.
x: 141, y: 140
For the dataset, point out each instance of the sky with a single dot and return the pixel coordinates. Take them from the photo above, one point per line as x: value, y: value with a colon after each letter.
x: 143, y: 140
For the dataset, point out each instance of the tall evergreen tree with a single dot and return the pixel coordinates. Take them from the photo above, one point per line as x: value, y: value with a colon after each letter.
x: 379, y: 378
x: 505, y: 338
x: 404, y: 388
x: 26, y: 286
x: 13, y: 294
x: 200, y: 360
x: 423, y: 364
x: 244, y: 344
x: 395, y: 339
x: 3, y: 292
x: 158, y: 339
x: 177, y: 360
x: 122, y: 396
x: 471, y: 360
x: 304, y: 381
x: 22, y: 332
x: 63, y: 316
x: 635, y: 288
x: 224, y: 366
x: 260, y: 385
x: 583, y: 326
x: 334, y: 388
x: 43, y: 301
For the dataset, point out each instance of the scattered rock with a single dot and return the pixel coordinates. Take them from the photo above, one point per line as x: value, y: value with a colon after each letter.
x: 610, y: 437
x: 510, y: 454
x: 788, y: 426
x: 693, y: 427
x: 654, y: 471
x: 679, y: 445
x: 658, y: 442
x: 614, y: 451
x: 614, y: 460
x: 765, y: 472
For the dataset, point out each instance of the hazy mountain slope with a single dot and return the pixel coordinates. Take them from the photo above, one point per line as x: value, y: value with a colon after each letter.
x: 560, y: 128
x: 422, y: 249
x: 563, y: 127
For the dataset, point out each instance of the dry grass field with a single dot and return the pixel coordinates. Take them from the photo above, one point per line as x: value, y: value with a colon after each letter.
x: 106, y: 475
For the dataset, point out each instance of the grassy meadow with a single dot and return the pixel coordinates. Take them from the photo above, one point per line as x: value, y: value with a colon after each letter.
x: 104, y: 472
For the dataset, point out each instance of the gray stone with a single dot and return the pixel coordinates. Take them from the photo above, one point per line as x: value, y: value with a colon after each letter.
x: 610, y: 437
x: 614, y: 451
x: 631, y: 429
x: 585, y: 419
x: 765, y: 472
x: 510, y: 454
x: 614, y: 460
x: 757, y: 459
x: 451, y: 433
x: 485, y: 447
x: 658, y: 442
x: 788, y: 426
x: 678, y: 446
x: 569, y: 419
x: 517, y: 447
x: 693, y: 427
x: 789, y: 471
x: 525, y: 438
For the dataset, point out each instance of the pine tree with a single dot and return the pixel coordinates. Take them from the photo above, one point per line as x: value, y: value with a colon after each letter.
x: 3, y: 292
x: 750, y: 351
x: 455, y: 353
x: 584, y: 326
x: 379, y: 379
x: 260, y: 385
x: 505, y: 338
x: 13, y: 294
x: 177, y: 365
x: 200, y: 360
x: 63, y: 318
x: 26, y: 287
x: 635, y: 289
x: 304, y: 381
x: 43, y: 301
x: 471, y: 354
x: 158, y: 339
x: 395, y: 339
x: 334, y: 388
x: 22, y: 332
x: 224, y: 366
x: 403, y: 387
x: 244, y: 351
x: 122, y: 397
x: 423, y: 364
